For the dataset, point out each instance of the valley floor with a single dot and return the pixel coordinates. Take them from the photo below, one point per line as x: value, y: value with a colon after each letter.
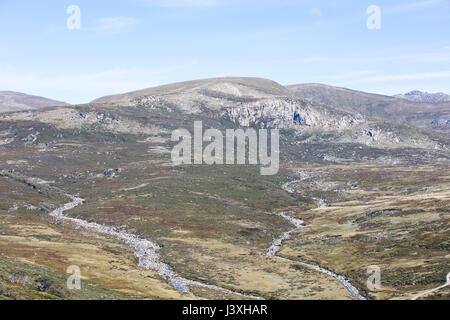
x: 353, y: 217
x: 149, y: 229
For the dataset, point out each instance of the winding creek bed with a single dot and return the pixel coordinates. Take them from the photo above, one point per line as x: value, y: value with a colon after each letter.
x: 145, y: 250
x: 299, y: 224
x: 276, y: 246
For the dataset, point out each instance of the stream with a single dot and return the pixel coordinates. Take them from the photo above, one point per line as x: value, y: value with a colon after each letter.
x: 277, y: 243
x: 145, y: 250
x: 299, y: 224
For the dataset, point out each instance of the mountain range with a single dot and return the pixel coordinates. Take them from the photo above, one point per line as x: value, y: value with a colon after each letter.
x: 363, y: 181
x: 425, y: 110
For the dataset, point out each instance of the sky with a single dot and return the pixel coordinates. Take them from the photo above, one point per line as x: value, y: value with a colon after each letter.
x: 134, y: 44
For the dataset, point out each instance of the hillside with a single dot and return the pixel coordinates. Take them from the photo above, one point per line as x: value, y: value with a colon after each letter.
x: 16, y: 101
x: 94, y: 186
x: 419, y: 96
x: 188, y: 94
x: 265, y: 103
x: 421, y: 114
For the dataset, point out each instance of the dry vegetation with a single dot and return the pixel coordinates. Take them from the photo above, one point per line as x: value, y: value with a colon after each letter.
x: 362, y: 205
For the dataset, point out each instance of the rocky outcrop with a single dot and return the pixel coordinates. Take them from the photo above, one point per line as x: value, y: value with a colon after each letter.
x: 287, y: 113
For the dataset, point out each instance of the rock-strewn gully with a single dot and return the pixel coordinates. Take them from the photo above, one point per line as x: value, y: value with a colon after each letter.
x: 145, y: 250
x: 299, y: 224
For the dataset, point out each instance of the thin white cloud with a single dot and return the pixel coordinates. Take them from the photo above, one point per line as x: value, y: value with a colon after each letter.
x: 311, y: 59
x: 349, y: 75
x: 183, y: 3
x: 114, y: 24
x: 411, y: 6
x: 411, y: 76
x: 315, y: 12
x: 401, y: 77
x: 417, y: 57
x: 384, y: 56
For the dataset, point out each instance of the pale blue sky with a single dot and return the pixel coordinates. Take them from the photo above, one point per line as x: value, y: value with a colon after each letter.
x: 128, y: 45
